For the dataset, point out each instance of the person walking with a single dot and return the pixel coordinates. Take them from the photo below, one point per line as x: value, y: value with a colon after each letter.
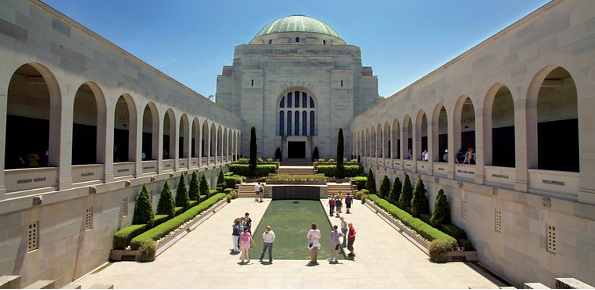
x: 344, y: 230
x: 314, y: 244
x: 348, y: 202
x: 351, y: 240
x: 335, y: 244
x: 331, y: 205
x: 261, y: 194
x: 235, y: 235
x: 338, y: 205
x: 256, y: 191
x: 245, y: 240
x: 269, y: 238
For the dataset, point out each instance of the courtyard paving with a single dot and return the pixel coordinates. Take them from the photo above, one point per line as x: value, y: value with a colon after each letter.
x: 385, y: 259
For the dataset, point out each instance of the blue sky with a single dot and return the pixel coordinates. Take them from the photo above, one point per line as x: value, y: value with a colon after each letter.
x: 192, y: 40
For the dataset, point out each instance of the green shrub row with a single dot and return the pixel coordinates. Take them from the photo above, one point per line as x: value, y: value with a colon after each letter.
x: 160, y: 218
x: 230, y: 180
x: 163, y: 229
x: 360, y: 181
x: 330, y: 170
x: 423, y: 229
x: 123, y: 237
x: 261, y: 169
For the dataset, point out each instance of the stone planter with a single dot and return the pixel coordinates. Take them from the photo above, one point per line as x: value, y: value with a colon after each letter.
x: 134, y: 255
x: 451, y: 256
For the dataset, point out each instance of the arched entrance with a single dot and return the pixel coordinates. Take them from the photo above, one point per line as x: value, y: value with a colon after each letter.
x: 296, y: 124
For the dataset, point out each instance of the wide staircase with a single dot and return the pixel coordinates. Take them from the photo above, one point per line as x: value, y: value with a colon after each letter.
x: 345, y: 187
x: 247, y: 189
x: 296, y: 170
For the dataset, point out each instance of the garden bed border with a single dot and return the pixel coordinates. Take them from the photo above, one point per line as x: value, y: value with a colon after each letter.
x: 117, y: 255
x: 451, y: 256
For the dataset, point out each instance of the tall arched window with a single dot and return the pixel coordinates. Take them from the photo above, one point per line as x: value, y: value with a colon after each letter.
x: 297, y: 123
x: 289, y: 131
x: 305, y: 123
x: 281, y: 123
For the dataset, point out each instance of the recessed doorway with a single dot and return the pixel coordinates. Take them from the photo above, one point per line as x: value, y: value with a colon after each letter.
x: 296, y: 149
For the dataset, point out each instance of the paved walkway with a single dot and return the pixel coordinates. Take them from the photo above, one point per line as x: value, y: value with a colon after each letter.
x: 385, y: 259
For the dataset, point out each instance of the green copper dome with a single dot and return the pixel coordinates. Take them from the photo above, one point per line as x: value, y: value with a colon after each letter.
x: 297, y: 23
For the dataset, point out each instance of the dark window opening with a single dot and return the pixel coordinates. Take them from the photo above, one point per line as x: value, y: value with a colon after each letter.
x: 323, y: 41
x: 270, y: 41
x: 252, y: 82
x: 341, y: 82
x: 297, y: 39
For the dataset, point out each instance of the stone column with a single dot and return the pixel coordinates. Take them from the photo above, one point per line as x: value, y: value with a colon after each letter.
x: 479, y: 145
x: 525, y: 132
x: 586, y: 117
x: 454, y: 133
x: 61, y: 121
x: 188, y: 144
x: 105, y: 137
x: 158, y: 138
x: 199, y: 144
x: 136, y: 144
x: 432, y: 143
x: 174, y: 141
x: 3, y: 113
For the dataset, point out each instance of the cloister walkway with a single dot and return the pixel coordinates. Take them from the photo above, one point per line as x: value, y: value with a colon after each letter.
x: 385, y: 259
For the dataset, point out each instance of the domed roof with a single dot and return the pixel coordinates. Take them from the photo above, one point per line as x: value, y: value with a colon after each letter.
x: 297, y: 23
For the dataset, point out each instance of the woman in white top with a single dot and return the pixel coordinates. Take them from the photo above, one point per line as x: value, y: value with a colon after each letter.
x: 314, y: 244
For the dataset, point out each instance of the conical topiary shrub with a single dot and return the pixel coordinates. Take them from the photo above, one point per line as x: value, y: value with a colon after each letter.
x: 204, y: 186
x: 384, y: 187
x: 406, y: 193
x: 253, y: 151
x: 166, y: 203
x: 143, y: 208
x: 395, y: 192
x: 419, y: 202
x: 340, y: 172
x: 441, y: 212
x: 221, y: 180
x: 194, y: 191
x: 182, y: 199
x: 371, y: 182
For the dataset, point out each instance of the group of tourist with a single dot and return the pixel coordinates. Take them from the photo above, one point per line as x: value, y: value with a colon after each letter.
x: 259, y: 191
x: 461, y: 157
x: 335, y: 203
x: 242, y: 240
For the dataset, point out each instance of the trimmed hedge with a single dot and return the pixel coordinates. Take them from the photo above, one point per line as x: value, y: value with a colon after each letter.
x: 230, y: 180
x: 330, y: 170
x: 453, y: 231
x: 163, y: 229
x: 360, y: 181
x: 212, y: 192
x: 261, y: 169
x: 123, y: 237
x: 160, y: 218
x: 423, y: 229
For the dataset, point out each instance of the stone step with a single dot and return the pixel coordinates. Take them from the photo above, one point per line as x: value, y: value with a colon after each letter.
x: 72, y: 286
x: 10, y: 282
x: 535, y: 286
x: 42, y: 284
x: 102, y: 286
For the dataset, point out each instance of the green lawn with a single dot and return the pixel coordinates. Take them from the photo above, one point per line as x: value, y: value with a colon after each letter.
x: 291, y: 223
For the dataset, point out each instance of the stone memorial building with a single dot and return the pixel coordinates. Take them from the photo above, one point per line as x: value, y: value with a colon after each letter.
x: 298, y: 82
x: 84, y: 124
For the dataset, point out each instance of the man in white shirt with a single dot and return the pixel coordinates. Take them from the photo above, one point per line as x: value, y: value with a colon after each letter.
x: 269, y: 238
x: 257, y: 191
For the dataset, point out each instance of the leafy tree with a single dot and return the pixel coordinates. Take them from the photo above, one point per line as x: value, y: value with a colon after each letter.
x: 419, y: 202
x: 441, y: 212
x: 182, y: 198
x: 371, y: 182
x: 253, y: 151
x: 340, y: 171
x: 220, y: 179
x: 194, y: 191
x: 406, y: 193
x: 395, y: 192
x: 384, y: 187
x: 166, y: 203
x: 143, y: 208
x: 204, y: 185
